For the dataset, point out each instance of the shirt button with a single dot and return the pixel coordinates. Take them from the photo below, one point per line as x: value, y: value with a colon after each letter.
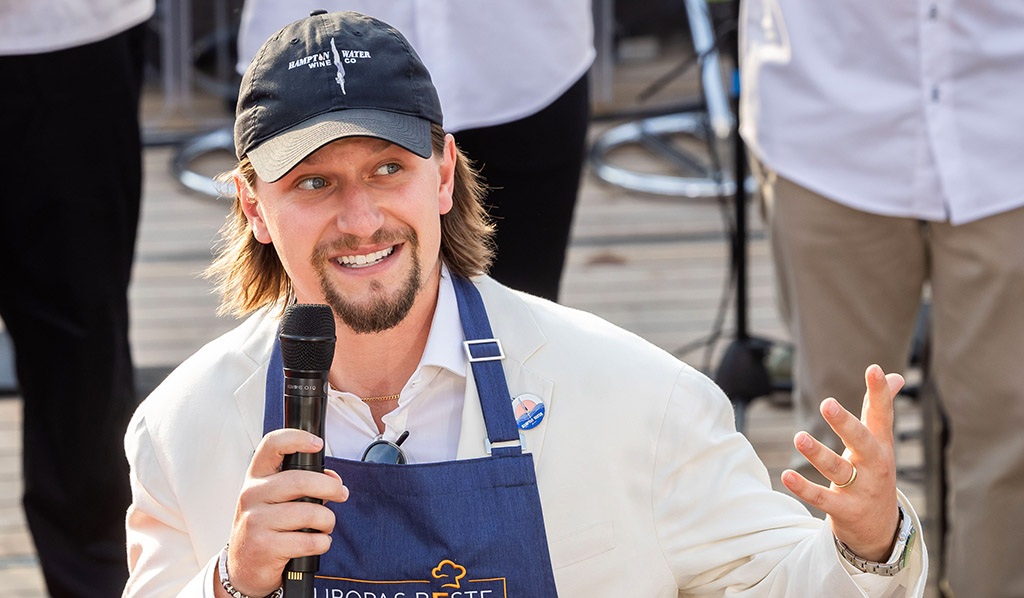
x: 933, y: 12
x: 935, y: 93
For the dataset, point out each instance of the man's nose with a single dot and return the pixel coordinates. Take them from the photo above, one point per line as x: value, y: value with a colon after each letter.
x: 358, y: 212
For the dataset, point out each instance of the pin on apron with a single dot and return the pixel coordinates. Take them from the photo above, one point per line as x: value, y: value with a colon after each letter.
x: 456, y: 529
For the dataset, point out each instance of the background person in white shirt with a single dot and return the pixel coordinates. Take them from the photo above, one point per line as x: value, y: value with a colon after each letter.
x: 889, y: 139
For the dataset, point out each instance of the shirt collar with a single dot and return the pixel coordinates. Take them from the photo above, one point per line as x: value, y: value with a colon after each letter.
x: 444, y: 343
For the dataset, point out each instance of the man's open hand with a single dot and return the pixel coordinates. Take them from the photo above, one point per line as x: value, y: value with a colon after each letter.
x: 863, y: 510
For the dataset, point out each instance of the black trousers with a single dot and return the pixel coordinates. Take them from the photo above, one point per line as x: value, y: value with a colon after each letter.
x: 533, y: 167
x: 70, y: 186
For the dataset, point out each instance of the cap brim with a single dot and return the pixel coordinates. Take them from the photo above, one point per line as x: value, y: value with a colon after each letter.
x: 275, y: 157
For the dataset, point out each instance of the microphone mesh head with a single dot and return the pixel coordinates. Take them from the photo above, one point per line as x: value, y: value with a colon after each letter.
x: 307, y: 337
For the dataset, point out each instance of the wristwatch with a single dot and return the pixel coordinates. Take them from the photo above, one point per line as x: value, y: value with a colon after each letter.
x: 225, y: 583
x: 898, y: 557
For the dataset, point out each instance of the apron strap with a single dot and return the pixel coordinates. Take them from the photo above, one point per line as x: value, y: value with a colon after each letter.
x: 273, y: 406
x: 483, y: 352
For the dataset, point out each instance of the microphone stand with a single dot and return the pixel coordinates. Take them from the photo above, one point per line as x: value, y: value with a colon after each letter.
x: 741, y: 373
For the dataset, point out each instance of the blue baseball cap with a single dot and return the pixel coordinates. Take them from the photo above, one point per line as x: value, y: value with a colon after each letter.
x: 330, y: 76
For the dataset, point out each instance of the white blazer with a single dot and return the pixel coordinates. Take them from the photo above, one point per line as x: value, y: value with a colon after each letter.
x: 647, y: 489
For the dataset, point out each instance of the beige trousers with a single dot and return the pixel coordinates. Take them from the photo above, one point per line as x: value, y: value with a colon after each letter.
x: 849, y: 286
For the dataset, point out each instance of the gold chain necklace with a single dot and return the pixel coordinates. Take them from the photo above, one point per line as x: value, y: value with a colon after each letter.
x: 385, y: 398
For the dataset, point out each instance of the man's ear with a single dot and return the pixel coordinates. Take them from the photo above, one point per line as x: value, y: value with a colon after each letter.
x: 447, y: 175
x: 253, y: 211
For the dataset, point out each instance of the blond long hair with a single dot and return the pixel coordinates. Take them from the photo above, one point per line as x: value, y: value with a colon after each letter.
x: 248, y: 274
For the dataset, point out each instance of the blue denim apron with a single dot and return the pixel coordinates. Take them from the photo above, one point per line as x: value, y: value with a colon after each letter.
x: 459, y: 529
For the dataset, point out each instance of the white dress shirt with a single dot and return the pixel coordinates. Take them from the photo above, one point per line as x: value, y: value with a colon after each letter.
x: 39, y: 26
x: 492, y: 62
x: 430, y: 406
x: 908, y: 108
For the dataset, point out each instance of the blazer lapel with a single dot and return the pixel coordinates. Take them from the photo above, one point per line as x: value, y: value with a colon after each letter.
x: 251, y: 394
x: 250, y: 408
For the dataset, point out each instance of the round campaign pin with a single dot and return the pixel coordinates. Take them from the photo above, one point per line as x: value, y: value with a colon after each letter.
x: 529, y: 410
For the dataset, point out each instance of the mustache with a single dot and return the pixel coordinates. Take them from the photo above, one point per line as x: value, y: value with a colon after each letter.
x: 353, y: 242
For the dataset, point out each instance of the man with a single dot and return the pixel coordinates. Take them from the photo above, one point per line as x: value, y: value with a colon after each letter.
x: 625, y: 476
x: 887, y: 138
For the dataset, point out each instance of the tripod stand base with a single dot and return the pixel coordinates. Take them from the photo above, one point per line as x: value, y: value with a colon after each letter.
x: 743, y: 376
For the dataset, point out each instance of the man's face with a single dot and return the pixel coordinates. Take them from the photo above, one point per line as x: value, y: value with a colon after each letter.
x: 357, y: 226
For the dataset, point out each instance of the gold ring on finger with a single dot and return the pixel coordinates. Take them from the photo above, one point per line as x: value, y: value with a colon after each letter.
x: 852, y: 477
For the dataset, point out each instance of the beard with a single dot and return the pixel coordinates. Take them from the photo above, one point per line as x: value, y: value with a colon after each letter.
x: 381, y: 312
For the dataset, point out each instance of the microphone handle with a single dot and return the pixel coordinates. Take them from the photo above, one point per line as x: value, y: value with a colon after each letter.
x: 305, y: 406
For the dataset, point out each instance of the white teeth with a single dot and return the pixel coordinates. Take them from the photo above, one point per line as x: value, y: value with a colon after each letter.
x: 362, y: 261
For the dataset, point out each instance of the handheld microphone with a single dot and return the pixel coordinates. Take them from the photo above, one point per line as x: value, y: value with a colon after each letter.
x: 307, y: 350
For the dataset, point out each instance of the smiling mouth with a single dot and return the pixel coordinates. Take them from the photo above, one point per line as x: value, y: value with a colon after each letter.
x: 364, y: 261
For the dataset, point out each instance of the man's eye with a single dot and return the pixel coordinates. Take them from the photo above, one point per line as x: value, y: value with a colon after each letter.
x: 389, y: 168
x: 312, y: 183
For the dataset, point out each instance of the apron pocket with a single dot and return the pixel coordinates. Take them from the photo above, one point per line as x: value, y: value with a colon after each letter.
x: 582, y: 545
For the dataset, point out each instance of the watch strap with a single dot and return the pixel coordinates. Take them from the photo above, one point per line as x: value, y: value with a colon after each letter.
x: 897, y: 559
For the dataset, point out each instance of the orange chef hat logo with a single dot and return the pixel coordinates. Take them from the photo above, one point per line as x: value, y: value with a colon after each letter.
x: 447, y: 569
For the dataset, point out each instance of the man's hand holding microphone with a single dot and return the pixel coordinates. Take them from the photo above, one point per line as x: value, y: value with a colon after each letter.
x: 281, y: 525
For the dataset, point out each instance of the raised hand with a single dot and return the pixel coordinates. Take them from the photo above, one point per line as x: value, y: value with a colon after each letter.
x: 861, y: 501
x: 263, y: 536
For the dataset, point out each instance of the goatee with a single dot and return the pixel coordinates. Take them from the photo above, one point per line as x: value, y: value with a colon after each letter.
x: 382, y: 312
